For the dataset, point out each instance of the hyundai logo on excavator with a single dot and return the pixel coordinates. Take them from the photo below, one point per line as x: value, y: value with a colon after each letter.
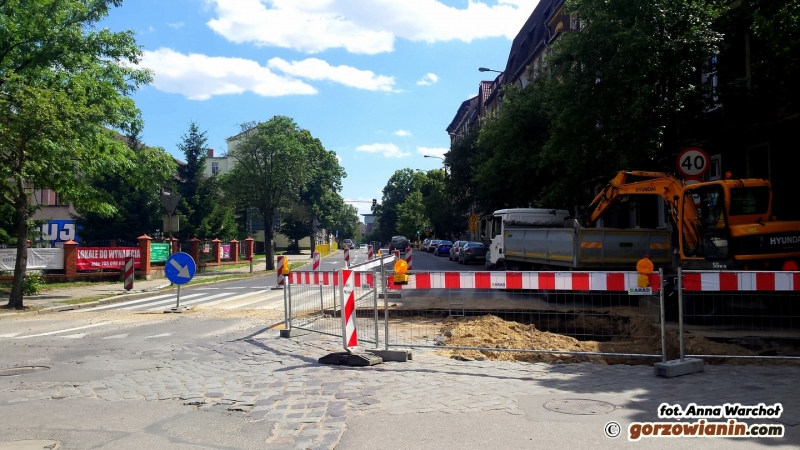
x: 646, y: 189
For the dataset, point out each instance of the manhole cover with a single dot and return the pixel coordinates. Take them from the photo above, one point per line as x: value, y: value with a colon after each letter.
x: 21, y: 370
x: 580, y: 406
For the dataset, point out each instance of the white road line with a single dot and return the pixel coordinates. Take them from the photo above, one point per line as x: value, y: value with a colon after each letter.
x: 73, y: 336
x: 117, y: 336
x: 117, y: 305
x: 10, y: 335
x: 245, y: 304
x: 64, y: 331
x: 191, y: 302
x: 160, y: 302
x: 159, y: 335
x: 237, y: 297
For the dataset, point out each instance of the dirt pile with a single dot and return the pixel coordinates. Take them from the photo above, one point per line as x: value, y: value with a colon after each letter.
x: 633, y: 335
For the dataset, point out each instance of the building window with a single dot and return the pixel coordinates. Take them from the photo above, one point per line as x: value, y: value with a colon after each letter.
x: 573, y: 21
x: 214, y: 167
x: 60, y: 200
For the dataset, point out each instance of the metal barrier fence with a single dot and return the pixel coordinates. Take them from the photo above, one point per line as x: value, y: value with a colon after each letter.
x: 559, y: 316
x: 740, y: 315
x: 314, y: 303
x: 528, y: 316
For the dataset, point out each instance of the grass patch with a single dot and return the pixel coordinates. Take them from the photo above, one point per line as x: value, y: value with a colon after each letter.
x: 78, y: 301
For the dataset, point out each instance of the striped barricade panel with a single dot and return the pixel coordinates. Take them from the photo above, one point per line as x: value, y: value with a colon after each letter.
x: 361, y: 279
x: 557, y: 281
x: 709, y: 281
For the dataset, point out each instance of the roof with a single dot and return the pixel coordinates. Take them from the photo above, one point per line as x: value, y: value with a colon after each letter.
x: 530, y: 38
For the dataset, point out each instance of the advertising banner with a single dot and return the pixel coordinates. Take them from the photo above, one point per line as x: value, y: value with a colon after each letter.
x: 226, y: 251
x: 159, y: 253
x: 38, y: 258
x: 56, y: 232
x: 95, y: 258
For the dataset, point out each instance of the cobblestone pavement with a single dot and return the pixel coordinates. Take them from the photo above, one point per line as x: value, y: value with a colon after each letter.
x: 279, y: 381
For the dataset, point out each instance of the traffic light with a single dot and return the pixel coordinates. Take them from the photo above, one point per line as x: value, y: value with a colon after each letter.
x: 417, y: 232
x: 374, y: 202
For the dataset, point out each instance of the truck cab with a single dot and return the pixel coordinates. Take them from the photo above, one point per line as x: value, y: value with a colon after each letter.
x: 500, y: 225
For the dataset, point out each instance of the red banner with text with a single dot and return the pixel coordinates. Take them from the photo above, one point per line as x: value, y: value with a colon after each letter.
x: 97, y: 258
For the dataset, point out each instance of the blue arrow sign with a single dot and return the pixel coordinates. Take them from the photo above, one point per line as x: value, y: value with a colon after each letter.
x: 179, y: 268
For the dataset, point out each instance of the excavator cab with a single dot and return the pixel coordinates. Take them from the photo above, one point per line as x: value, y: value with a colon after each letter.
x: 705, y: 232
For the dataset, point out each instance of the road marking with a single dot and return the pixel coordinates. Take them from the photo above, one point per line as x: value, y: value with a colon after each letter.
x: 10, y: 335
x: 117, y: 336
x: 64, y: 331
x: 237, y: 297
x: 159, y: 335
x: 245, y: 304
x: 117, y: 305
x: 74, y: 336
x: 161, y: 302
x: 191, y: 302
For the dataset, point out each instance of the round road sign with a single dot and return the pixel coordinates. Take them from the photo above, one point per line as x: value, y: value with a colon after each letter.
x: 693, y: 162
x: 179, y: 268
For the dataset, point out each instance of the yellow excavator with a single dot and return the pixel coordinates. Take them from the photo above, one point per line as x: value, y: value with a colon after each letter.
x: 721, y: 224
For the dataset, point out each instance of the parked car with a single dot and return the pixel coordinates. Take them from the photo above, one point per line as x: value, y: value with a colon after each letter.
x: 362, y: 247
x: 454, y: 250
x: 432, y: 245
x: 424, y: 245
x: 348, y: 243
x: 398, y: 243
x: 472, y: 251
x: 443, y: 248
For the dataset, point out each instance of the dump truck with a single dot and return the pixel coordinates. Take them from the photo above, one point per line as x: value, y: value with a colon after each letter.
x: 718, y: 225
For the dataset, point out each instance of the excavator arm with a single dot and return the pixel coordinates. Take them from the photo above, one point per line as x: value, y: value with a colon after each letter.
x: 651, y: 183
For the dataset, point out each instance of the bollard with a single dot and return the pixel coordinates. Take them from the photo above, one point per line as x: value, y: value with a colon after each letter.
x: 346, y: 257
x: 408, y: 258
x: 369, y: 252
x: 129, y: 273
x: 279, y: 270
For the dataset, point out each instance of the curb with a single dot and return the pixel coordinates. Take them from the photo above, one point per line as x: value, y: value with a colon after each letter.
x: 118, y: 298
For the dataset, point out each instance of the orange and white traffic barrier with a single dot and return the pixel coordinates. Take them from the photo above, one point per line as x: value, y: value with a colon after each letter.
x: 279, y: 270
x: 350, y: 336
x: 408, y: 257
x: 315, y: 265
x: 556, y: 281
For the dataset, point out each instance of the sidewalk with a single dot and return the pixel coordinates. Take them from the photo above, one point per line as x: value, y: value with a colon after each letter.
x: 53, y: 300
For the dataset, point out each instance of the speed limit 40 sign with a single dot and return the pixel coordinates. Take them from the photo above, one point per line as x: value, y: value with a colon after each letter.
x: 693, y: 162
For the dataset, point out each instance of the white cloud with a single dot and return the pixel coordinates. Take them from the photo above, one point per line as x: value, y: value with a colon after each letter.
x: 402, y: 133
x: 363, y: 26
x: 428, y: 79
x: 432, y: 151
x: 387, y: 150
x: 200, y: 77
x: 175, y: 25
x: 317, y: 69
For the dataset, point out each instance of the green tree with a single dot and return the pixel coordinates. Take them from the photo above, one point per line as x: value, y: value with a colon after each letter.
x: 399, y: 186
x: 63, y: 85
x: 411, y: 215
x: 134, y: 194
x: 623, y: 89
x: 268, y: 169
x: 194, y: 206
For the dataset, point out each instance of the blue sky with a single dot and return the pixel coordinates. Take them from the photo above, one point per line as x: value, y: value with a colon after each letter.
x: 377, y: 81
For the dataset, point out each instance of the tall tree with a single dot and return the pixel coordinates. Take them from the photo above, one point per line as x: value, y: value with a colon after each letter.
x: 411, y: 215
x: 399, y: 186
x: 193, y: 206
x: 268, y: 170
x: 624, y: 88
x: 134, y: 194
x: 63, y: 85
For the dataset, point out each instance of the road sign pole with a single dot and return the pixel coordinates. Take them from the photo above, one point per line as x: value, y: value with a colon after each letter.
x: 178, y: 301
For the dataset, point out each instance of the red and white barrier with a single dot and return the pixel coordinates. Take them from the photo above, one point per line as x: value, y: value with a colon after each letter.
x: 129, y: 273
x: 558, y: 281
x: 346, y: 257
x: 408, y: 258
x: 361, y: 279
x: 315, y: 265
x: 350, y: 336
x: 741, y: 281
x: 369, y: 252
x: 397, y: 254
x: 279, y: 270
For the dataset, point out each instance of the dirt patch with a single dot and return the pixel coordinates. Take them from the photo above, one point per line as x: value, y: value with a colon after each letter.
x: 632, y: 335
